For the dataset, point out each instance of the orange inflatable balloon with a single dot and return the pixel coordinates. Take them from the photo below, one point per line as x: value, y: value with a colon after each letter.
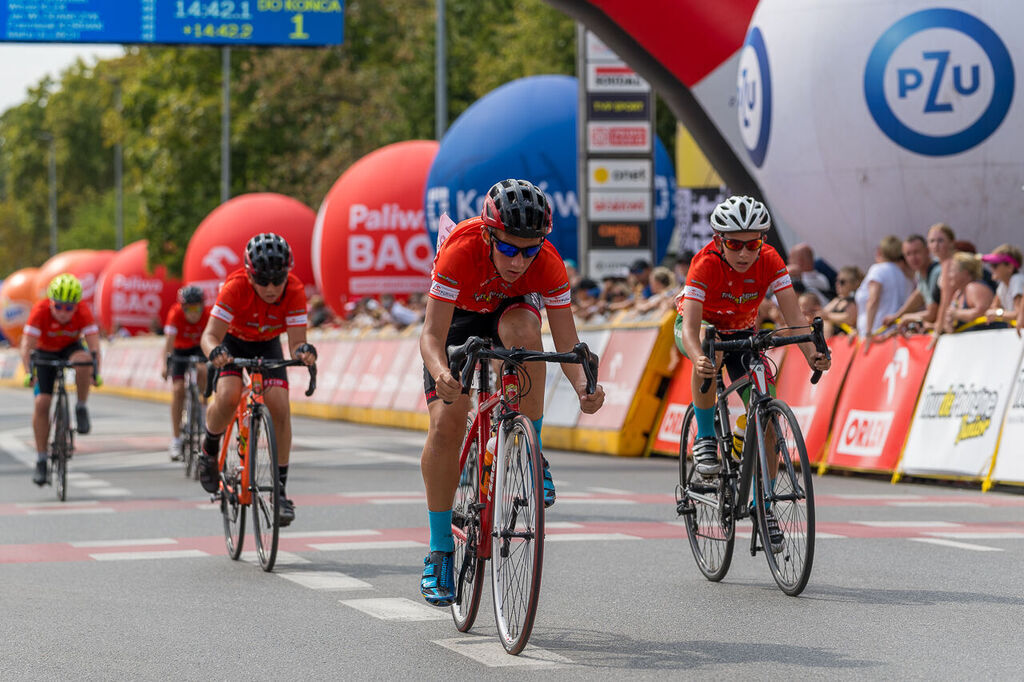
x: 131, y: 298
x: 16, y: 298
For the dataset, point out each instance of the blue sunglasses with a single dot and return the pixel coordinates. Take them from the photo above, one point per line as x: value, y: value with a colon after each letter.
x: 511, y: 250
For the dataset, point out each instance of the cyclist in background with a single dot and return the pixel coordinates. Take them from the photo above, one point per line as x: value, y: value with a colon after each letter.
x: 491, y: 277
x: 54, y: 330
x: 256, y: 304
x: 183, y: 329
x: 726, y: 283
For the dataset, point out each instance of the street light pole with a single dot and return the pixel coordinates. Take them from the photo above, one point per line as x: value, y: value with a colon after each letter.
x: 118, y: 176
x: 52, y: 177
x: 440, y: 73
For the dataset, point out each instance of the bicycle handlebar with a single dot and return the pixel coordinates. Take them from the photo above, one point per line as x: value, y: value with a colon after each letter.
x: 60, y: 363
x: 762, y: 341
x: 259, y: 363
x: 462, y: 359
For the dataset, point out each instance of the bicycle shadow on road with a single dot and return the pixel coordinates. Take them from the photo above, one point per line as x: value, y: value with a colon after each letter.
x: 613, y: 650
x: 904, y: 597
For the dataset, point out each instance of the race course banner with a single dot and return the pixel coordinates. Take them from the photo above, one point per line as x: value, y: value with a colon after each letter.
x: 1009, y: 465
x: 956, y: 424
x: 876, y: 404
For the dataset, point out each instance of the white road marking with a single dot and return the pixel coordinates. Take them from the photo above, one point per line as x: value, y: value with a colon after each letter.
x: 330, y: 533
x: 936, y: 504
x: 407, y: 500
x: 610, y: 491
x: 570, y: 537
x: 166, y: 554
x: 385, y: 493
x: 86, y: 482
x: 57, y: 505
x: 562, y: 524
x: 111, y: 492
x: 591, y: 500
x: 382, y: 544
x: 124, y: 543
x: 957, y: 545
x: 978, y: 535
x: 283, y: 558
x: 870, y: 496
x: 488, y: 650
x: 71, y: 510
x: 908, y: 524
x: 325, y: 580
x: 398, y: 609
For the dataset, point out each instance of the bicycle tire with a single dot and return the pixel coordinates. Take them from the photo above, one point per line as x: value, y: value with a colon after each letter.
x: 709, y: 528
x: 185, y: 431
x: 517, y: 540
x: 231, y: 508
x: 194, y: 433
x: 264, y: 487
x: 469, y: 569
x: 59, y: 449
x: 791, y: 497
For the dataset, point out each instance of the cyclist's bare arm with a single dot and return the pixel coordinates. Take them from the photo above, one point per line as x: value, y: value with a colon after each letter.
x: 297, y: 337
x: 790, y: 309
x: 693, y: 311
x: 28, y: 344
x: 564, y: 336
x: 92, y: 342
x: 212, y: 337
x: 436, y: 321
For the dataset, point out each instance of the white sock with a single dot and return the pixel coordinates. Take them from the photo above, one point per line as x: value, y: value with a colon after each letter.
x: 41, y: 456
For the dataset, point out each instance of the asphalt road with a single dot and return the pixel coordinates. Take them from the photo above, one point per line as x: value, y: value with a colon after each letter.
x: 129, y: 578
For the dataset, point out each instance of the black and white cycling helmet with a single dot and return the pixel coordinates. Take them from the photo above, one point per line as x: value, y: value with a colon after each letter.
x: 518, y: 208
x: 190, y: 295
x: 741, y: 214
x: 268, y: 258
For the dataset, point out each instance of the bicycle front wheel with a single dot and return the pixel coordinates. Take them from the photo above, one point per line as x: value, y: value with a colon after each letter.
x: 231, y: 507
x: 709, y: 522
x: 469, y: 570
x: 190, y: 432
x: 264, y: 486
x: 790, y: 497
x: 517, y: 542
x: 61, y: 446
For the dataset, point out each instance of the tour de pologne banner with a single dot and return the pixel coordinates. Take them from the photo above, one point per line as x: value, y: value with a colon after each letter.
x: 813, y: 404
x: 877, y: 402
x: 1009, y: 466
x: 963, y: 400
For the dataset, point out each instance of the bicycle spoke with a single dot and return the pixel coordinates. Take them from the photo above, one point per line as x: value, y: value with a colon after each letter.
x: 466, y: 532
x: 264, y: 487
x: 231, y: 506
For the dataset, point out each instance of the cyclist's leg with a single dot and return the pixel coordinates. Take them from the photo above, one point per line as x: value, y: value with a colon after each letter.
x: 178, y: 367
x: 219, y: 413
x: 41, y: 427
x: 275, y: 395
x: 705, y: 447
x: 83, y: 380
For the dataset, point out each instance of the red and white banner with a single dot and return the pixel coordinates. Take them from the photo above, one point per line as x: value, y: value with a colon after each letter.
x: 622, y: 366
x: 814, y: 404
x: 962, y: 403
x: 877, y: 402
x: 1009, y: 467
x: 677, y: 399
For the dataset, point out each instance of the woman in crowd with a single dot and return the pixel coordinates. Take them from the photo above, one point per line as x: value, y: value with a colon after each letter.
x: 970, y: 297
x: 840, y: 314
x: 883, y: 290
x: 1004, y: 262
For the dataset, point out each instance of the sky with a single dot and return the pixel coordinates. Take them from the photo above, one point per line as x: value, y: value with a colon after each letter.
x: 22, y: 66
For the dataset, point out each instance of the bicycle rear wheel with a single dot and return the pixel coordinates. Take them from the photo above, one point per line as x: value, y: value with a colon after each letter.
x: 469, y: 570
x: 264, y: 486
x: 60, y: 447
x: 791, y: 499
x: 192, y: 432
x: 517, y: 543
x: 231, y: 508
x: 709, y: 524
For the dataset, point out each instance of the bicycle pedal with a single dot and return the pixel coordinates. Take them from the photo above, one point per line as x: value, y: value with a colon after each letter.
x: 215, y: 497
x: 685, y: 509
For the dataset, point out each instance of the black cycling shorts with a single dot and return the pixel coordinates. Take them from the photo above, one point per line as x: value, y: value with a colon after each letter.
x: 268, y: 350
x: 179, y: 363
x: 466, y: 324
x: 46, y: 375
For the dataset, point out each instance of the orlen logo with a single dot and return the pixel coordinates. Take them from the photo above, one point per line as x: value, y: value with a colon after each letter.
x: 864, y: 433
x: 754, y: 96
x: 672, y: 422
x: 939, y: 82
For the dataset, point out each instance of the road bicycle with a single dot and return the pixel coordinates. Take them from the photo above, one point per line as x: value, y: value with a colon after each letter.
x: 62, y: 445
x: 773, y: 459
x: 498, y: 512
x: 248, y: 463
x: 193, y: 416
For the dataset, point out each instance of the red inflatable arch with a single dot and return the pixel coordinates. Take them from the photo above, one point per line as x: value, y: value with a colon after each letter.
x: 217, y: 247
x: 370, y: 238
x: 17, y: 295
x: 130, y: 297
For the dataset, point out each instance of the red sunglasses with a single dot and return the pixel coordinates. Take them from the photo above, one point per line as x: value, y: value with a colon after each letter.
x: 739, y: 244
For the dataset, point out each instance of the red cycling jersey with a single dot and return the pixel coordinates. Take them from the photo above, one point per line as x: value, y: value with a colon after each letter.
x: 249, y: 317
x: 463, y: 273
x: 731, y: 298
x: 185, y: 333
x: 52, y: 335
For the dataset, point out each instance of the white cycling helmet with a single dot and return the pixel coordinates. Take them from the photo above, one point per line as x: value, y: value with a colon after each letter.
x: 740, y: 214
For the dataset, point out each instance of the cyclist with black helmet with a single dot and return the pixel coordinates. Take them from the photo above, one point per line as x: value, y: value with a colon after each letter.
x: 183, y: 329
x: 725, y: 284
x: 54, y: 330
x: 490, y: 278
x: 256, y: 304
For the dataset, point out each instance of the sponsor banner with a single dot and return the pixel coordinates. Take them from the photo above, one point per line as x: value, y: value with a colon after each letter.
x: 348, y: 383
x: 403, y: 356
x: 1009, y: 466
x: 619, y: 106
x: 619, y: 137
x: 635, y: 174
x: 614, y: 77
x: 813, y: 404
x: 677, y: 399
x: 876, y: 403
x: 962, y: 404
x: 409, y: 392
x: 562, y: 406
x: 603, y: 262
x: 622, y: 367
x: 604, y: 205
x: 371, y: 378
x: 621, y: 235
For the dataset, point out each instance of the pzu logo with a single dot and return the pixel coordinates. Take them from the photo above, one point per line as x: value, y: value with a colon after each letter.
x: 939, y: 82
x: 754, y: 96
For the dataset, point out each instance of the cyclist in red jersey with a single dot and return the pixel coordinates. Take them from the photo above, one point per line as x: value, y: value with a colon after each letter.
x: 183, y: 329
x: 256, y: 304
x: 54, y: 330
x: 726, y: 283
x: 490, y: 278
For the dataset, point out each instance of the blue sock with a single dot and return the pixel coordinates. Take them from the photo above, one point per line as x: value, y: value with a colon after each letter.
x: 441, y: 539
x: 537, y: 423
x: 705, y: 421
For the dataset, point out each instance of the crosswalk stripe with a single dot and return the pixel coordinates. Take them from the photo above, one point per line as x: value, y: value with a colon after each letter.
x: 397, y: 609
x: 957, y: 545
x: 324, y: 580
x: 488, y: 651
x: 165, y: 554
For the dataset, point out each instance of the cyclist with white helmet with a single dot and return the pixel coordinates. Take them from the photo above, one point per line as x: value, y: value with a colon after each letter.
x: 726, y: 283
x: 183, y: 329
x: 491, y: 277
x: 54, y: 330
